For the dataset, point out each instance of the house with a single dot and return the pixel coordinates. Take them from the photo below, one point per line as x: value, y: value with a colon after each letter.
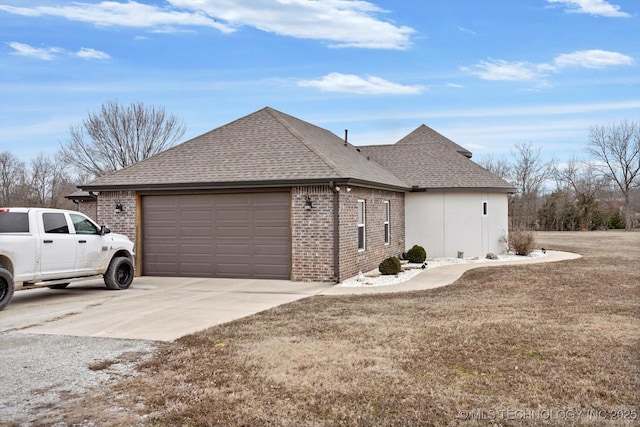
x: 270, y: 196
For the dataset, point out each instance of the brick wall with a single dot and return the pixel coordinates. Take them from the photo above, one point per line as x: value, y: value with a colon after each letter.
x: 312, y: 234
x: 119, y: 222
x: 89, y: 208
x: 353, y: 260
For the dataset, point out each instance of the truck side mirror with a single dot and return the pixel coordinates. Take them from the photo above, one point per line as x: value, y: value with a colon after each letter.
x: 104, y: 230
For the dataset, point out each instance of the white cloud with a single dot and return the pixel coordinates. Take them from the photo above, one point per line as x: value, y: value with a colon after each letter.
x: 350, y: 83
x: 592, y: 59
x: 501, y: 70
x: 129, y: 14
x: 88, y: 53
x: 466, y: 30
x: 592, y: 7
x: 342, y: 23
x: 44, y: 54
x: 455, y: 85
x: 508, y: 71
x: 51, y: 53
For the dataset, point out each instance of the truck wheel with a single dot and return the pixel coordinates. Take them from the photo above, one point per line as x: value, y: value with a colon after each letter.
x: 6, y: 288
x: 58, y: 286
x: 120, y: 273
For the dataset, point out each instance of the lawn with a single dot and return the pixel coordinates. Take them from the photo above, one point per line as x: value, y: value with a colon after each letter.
x: 542, y: 344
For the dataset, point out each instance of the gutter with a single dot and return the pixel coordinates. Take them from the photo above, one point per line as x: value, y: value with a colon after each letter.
x: 232, y: 185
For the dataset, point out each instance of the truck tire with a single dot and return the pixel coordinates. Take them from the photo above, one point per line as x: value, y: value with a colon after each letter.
x: 120, y: 273
x: 6, y: 287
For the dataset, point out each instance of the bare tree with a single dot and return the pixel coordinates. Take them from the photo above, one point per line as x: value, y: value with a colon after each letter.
x: 617, y: 146
x: 48, y: 183
x: 585, y: 184
x: 12, y: 175
x: 496, y: 166
x: 119, y: 136
x: 528, y: 174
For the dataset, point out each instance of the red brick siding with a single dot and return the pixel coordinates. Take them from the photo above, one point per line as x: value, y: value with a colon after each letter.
x: 89, y: 208
x: 312, y: 234
x: 351, y: 259
x: 119, y: 222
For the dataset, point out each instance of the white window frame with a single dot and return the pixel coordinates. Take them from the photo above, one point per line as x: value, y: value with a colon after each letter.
x: 485, y: 208
x: 362, y: 225
x: 386, y: 214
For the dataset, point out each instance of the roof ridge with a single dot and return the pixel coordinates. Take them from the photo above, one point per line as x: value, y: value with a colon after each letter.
x: 300, y: 138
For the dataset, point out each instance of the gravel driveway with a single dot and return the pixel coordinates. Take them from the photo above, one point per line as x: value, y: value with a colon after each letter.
x: 40, y: 372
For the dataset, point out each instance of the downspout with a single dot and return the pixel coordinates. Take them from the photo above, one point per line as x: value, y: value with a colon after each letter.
x: 336, y: 232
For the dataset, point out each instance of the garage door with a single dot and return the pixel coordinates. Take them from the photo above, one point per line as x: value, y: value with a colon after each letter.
x: 245, y: 235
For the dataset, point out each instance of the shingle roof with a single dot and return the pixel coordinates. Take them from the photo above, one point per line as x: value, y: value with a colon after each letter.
x: 424, y: 135
x: 264, y: 147
x: 427, y: 160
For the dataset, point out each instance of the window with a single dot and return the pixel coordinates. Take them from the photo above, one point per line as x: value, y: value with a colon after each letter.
x: 485, y: 208
x: 55, y: 223
x: 386, y: 222
x: 361, y: 226
x: 14, y: 222
x: 83, y: 225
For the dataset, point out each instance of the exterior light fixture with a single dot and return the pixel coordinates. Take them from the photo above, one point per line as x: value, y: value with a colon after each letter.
x: 337, y: 188
x: 119, y: 207
x: 308, y: 205
x: 348, y: 188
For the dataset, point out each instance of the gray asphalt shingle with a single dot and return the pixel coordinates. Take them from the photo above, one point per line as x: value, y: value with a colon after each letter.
x: 428, y: 160
x: 264, y: 146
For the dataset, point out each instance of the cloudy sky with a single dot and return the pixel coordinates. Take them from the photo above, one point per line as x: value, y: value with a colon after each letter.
x: 487, y: 74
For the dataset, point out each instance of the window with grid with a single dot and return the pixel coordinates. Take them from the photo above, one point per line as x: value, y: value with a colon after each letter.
x: 361, y: 225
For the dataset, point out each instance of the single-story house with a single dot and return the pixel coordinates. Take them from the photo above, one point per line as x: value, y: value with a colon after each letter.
x: 270, y: 196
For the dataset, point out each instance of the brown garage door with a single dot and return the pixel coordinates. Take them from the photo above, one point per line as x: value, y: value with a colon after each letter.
x: 244, y: 235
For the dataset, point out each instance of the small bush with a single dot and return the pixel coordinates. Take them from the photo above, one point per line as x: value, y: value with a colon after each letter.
x: 390, y: 265
x: 416, y: 254
x: 521, y: 241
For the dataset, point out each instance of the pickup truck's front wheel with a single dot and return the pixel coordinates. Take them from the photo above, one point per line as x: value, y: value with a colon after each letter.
x: 6, y: 287
x: 120, y: 273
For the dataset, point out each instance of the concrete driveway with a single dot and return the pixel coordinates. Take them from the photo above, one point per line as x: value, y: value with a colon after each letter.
x: 154, y: 308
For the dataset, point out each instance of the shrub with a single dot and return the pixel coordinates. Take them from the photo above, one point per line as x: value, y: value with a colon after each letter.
x: 390, y: 265
x: 521, y: 241
x: 416, y: 254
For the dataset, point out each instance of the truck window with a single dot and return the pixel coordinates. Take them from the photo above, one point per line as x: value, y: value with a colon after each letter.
x: 14, y: 222
x: 83, y: 225
x: 55, y: 223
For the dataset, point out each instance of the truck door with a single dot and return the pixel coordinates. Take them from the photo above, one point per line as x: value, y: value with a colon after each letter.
x: 58, y: 254
x: 91, y: 250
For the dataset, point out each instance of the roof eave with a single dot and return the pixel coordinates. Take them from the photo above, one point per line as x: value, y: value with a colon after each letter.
x: 243, y: 185
x: 419, y: 189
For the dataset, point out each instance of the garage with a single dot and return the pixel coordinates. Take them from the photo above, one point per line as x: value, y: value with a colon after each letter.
x: 234, y: 235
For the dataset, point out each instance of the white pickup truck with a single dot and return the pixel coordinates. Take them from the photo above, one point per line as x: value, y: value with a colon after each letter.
x: 52, y: 247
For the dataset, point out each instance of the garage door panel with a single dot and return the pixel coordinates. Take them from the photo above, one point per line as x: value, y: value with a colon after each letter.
x: 217, y: 235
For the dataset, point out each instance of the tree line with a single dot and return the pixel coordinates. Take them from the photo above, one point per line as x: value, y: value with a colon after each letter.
x: 598, y: 191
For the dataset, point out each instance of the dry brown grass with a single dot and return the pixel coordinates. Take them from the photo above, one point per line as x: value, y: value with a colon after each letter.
x: 516, y: 345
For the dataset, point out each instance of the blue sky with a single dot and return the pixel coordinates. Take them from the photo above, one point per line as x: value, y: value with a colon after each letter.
x: 487, y: 74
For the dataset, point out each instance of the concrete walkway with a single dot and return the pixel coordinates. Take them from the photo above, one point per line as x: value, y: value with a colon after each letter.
x: 444, y: 275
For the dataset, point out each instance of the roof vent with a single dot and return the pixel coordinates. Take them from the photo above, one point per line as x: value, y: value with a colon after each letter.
x: 346, y: 133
